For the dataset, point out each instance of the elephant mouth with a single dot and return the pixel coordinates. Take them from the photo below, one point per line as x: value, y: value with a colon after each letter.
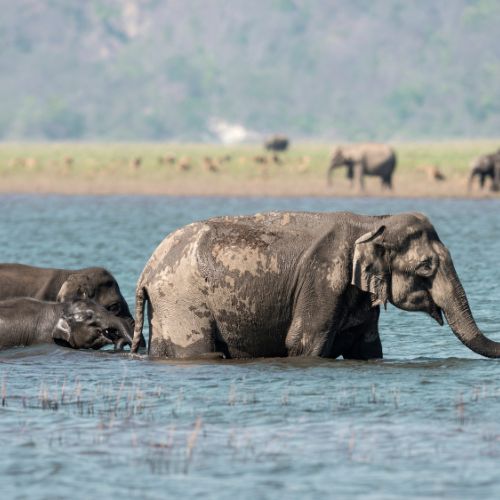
x: 436, y: 313
x: 62, y: 343
x: 115, y: 337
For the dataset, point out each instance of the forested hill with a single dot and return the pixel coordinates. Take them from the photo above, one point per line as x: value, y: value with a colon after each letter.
x: 325, y: 69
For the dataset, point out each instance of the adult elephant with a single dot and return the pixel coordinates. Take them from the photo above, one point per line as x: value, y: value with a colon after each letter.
x: 486, y: 167
x: 364, y: 160
x: 81, y: 324
x: 297, y: 284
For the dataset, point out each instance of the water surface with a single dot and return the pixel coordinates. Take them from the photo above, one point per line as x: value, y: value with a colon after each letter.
x: 422, y: 423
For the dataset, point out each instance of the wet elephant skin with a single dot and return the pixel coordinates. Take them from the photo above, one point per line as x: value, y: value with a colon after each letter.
x: 297, y: 284
x: 96, y: 283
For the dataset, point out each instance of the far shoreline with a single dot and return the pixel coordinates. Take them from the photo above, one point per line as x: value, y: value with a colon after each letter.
x: 243, y: 171
x: 418, y: 191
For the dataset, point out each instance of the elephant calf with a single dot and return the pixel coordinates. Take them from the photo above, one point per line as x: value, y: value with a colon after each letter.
x: 297, y: 284
x: 82, y: 324
x: 61, y: 285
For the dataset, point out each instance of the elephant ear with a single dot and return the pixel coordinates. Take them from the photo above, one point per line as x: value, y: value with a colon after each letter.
x: 370, y: 271
x: 75, y: 287
x: 62, y: 331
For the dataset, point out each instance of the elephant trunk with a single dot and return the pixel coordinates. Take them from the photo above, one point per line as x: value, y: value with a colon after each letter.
x: 333, y: 165
x: 124, y: 329
x: 453, y: 301
x: 475, y: 170
x: 471, y: 178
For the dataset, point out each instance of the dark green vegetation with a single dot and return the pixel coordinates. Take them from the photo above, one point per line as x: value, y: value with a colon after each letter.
x: 353, y: 70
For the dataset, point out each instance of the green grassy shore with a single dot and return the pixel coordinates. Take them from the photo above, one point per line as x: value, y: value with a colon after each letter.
x: 243, y: 170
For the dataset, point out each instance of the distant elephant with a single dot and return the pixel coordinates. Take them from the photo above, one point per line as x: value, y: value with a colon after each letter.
x: 277, y: 143
x: 81, y: 325
x: 486, y: 167
x: 364, y: 159
x: 297, y: 284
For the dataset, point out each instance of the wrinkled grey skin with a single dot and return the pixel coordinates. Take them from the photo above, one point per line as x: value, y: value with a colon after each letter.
x: 486, y: 167
x: 61, y: 285
x: 81, y: 325
x: 364, y: 159
x: 277, y: 143
x: 297, y: 284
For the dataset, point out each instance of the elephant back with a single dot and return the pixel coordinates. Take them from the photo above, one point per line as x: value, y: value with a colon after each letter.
x: 372, y: 154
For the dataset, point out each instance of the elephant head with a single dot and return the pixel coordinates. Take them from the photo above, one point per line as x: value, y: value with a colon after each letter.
x: 479, y: 167
x: 99, y: 285
x: 484, y: 167
x: 341, y: 159
x: 87, y: 325
x: 338, y: 158
x: 403, y: 261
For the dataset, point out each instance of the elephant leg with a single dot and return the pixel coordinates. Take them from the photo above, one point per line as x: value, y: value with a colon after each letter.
x: 387, y: 182
x: 310, y: 332
x: 329, y: 176
x: 181, y: 328
x: 360, y: 341
x: 350, y: 175
x: 495, y: 186
x: 359, y: 173
x: 365, y: 349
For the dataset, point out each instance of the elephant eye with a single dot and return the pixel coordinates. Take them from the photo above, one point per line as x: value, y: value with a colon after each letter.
x: 114, y: 308
x: 426, y: 268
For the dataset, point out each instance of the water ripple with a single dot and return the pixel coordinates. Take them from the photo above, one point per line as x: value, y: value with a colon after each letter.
x: 105, y: 424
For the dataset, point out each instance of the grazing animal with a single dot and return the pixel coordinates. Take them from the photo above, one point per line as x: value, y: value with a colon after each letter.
x: 30, y: 163
x: 184, y: 164
x: 167, y: 160
x: 82, y: 324
x: 432, y: 172
x: 486, y: 167
x: 303, y: 165
x: 260, y: 159
x: 297, y: 284
x: 277, y: 143
x: 225, y: 159
x: 364, y: 160
x: 209, y: 165
x: 136, y: 163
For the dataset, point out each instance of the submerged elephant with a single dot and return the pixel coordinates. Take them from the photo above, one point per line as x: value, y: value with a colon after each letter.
x: 297, y: 284
x: 61, y: 285
x: 82, y: 324
x: 364, y: 159
x: 486, y: 167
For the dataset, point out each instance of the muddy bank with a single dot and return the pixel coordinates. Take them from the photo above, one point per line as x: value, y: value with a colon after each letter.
x: 406, y: 185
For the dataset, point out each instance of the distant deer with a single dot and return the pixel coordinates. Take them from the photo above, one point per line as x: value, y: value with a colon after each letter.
x: 167, y: 160
x: 184, y: 164
x: 209, y: 165
x: 136, y: 163
x: 432, y: 172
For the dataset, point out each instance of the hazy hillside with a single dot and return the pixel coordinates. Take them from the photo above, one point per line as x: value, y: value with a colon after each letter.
x: 161, y: 69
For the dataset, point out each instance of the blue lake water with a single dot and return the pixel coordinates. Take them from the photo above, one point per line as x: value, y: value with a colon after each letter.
x: 423, y: 423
